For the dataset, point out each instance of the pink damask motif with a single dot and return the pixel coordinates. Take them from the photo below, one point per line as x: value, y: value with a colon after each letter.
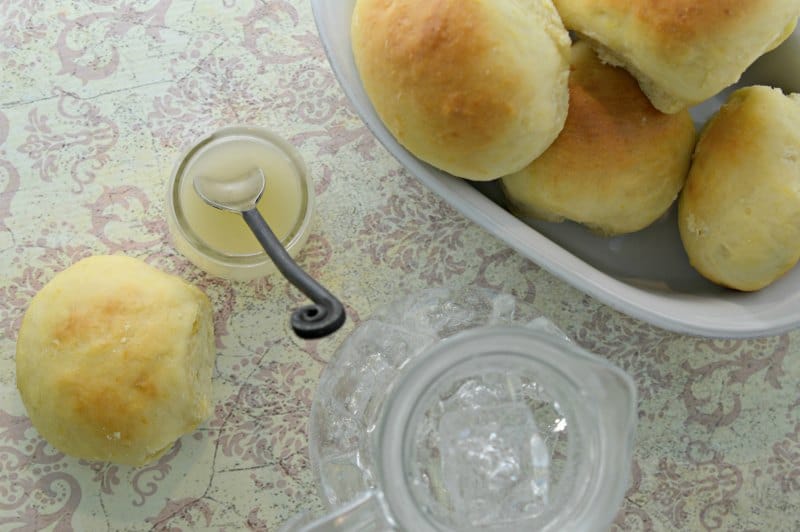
x: 218, y: 92
x: 195, y: 513
x: 9, y: 177
x: 704, y: 485
x: 311, y: 348
x: 734, y: 362
x: 9, y: 185
x: 258, y: 424
x: 18, y: 24
x: 79, y: 142
x: 784, y: 464
x: 327, y: 114
x: 338, y: 135
x: 104, y: 29
x: 3, y: 128
x: 318, y: 104
x: 322, y: 178
x: 420, y: 234
x: 121, y: 205
x: 17, y: 292
x: 267, y: 21
x: 105, y: 474
x: 520, y: 286
x: 263, y: 287
x: 632, y: 516
x: 37, y: 492
x: 638, y: 348
x: 633, y: 519
x: 15, y: 295
x: 145, y: 480
x: 254, y: 522
x: 223, y: 298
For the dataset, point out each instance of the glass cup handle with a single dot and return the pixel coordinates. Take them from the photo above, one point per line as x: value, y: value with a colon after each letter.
x: 365, y: 512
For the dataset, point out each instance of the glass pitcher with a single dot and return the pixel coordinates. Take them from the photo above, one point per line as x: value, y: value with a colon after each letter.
x: 466, y: 410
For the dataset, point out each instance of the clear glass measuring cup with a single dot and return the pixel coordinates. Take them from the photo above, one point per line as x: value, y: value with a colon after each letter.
x: 465, y: 410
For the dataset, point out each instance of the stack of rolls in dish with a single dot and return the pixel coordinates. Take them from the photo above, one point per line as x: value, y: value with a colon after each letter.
x: 595, y: 129
x: 617, y: 165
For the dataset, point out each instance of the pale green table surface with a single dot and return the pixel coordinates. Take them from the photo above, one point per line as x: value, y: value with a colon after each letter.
x: 97, y: 99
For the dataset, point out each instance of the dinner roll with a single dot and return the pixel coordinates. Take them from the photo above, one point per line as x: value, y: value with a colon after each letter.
x: 682, y: 51
x: 617, y: 165
x: 477, y: 88
x: 739, y: 215
x: 114, y: 360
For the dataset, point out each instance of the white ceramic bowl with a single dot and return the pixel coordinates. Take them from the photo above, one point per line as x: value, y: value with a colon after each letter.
x: 646, y: 274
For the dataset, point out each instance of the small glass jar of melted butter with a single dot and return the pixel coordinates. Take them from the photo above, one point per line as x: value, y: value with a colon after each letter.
x: 220, y: 242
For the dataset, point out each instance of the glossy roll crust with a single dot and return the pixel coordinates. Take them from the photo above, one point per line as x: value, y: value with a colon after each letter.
x: 682, y: 51
x: 114, y: 360
x: 618, y: 164
x: 477, y: 88
x: 739, y: 214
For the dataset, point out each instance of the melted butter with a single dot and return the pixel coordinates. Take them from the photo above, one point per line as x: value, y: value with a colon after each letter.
x: 281, y: 204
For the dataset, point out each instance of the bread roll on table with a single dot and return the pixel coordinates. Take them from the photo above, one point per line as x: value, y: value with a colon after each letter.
x: 739, y: 214
x: 682, y: 51
x: 477, y: 88
x: 617, y: 165
x: 114, y: 360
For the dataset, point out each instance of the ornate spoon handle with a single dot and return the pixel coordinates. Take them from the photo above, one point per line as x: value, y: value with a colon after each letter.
x: 320, y: 319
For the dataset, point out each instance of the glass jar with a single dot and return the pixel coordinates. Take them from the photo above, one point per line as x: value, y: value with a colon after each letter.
x: 465, y: 410
x: 219, y: 242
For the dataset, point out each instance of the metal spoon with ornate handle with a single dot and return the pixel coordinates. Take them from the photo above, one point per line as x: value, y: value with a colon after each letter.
x: 241, y: 195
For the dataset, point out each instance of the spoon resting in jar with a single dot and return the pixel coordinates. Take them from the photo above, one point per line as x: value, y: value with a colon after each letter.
x: 241, y: 195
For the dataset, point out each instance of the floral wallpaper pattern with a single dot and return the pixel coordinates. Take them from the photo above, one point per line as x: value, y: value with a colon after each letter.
x: 97, y: 100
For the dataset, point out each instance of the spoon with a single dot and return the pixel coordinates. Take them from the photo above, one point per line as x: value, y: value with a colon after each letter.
x: 241, y: 195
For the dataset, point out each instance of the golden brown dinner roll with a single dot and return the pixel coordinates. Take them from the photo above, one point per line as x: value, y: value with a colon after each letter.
x: 114, y: 360
x: 617, y: 165
x: 739, y: 215
x: 477, y: 88
x: 682, y: 51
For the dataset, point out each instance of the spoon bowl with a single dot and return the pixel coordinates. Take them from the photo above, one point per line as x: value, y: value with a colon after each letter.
x: 236, y: 195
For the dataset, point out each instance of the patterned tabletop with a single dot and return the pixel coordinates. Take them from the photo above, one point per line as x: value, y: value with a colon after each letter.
x: 98, y: 98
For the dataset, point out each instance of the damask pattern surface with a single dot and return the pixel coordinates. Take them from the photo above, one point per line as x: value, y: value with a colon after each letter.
x: 97, y: 100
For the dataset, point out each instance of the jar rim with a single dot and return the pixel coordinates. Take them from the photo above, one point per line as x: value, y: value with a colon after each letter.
x: 180, y: 225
